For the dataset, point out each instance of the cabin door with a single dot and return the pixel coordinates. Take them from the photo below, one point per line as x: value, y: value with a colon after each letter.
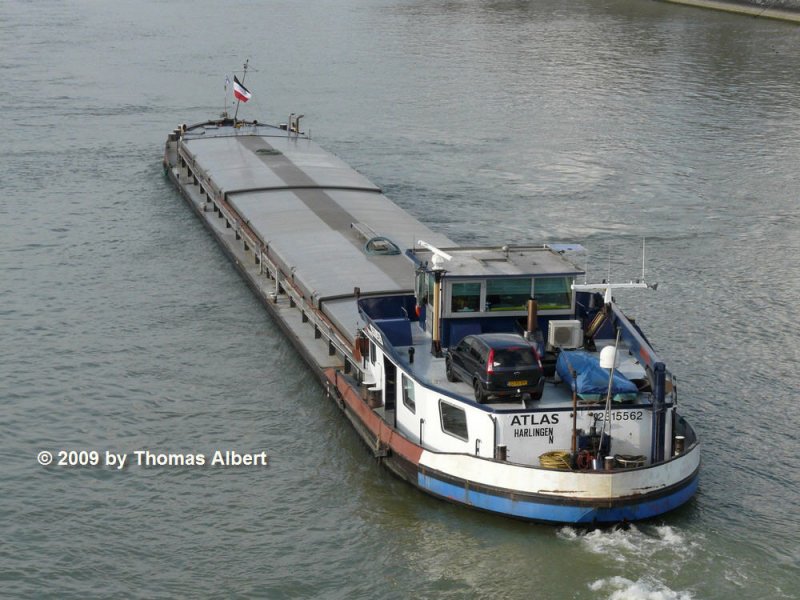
x: 389, y: 385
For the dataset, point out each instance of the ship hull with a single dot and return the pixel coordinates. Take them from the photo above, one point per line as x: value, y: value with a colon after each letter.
x: 585, y: 498
x: 492, y: 485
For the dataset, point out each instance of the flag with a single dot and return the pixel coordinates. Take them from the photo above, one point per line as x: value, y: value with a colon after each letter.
x: 227, y: 82
x: 240, y: 92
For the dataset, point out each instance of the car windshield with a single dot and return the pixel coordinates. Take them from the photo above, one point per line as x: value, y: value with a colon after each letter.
x: 519, y: 356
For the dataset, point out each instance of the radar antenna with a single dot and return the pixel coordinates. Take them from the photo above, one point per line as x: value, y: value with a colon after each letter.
x: 438, y: 256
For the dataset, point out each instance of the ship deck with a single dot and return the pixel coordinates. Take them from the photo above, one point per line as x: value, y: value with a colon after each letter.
x: 430, y: 371
x: 311, y: 211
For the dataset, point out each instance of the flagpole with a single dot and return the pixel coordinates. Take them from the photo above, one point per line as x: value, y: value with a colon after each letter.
x: 238, y: 102
x: 225, y: 103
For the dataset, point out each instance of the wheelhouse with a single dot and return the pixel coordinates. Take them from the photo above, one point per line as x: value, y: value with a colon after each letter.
x: 530, y: 292
x: 487, y: 290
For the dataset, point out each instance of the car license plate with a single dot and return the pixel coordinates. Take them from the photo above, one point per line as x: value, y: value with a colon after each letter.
x: 517, y: 383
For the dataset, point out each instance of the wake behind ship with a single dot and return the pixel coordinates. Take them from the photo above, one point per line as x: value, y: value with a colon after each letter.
x: 486, y: 376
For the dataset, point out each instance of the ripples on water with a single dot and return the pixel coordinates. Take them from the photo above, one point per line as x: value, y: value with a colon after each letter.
x: 124, y: 327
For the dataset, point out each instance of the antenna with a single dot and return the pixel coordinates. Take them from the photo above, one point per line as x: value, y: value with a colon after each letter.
x: 224, y: 114
x: 606, y: 287
x: 643, y: 255
x: 586, y: 270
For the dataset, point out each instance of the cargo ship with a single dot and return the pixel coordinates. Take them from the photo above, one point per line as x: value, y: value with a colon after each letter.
x: 492, y: 377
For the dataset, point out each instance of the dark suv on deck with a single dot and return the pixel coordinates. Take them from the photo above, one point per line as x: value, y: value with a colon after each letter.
x: 496, y: 364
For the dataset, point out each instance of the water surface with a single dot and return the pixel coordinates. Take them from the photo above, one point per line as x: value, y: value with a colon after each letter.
x: 125, y: 328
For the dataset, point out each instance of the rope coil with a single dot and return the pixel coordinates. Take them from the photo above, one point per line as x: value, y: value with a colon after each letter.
x: 556, y: 459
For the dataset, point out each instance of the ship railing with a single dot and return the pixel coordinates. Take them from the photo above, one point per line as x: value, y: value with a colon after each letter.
x: 323, y: 327
x: 284, y: 285
x: 639, y: 347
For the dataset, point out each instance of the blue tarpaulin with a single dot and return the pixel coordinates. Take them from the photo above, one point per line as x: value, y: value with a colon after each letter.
x: 591, y: 378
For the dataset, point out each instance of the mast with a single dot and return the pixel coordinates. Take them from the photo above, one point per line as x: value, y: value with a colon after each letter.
x: 224, y: 114
x: 238, y: 102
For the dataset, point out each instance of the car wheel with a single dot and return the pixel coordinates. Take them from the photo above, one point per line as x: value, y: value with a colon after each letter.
x: 480, y: 395
x: 537, y: 393
x: 448, y: 371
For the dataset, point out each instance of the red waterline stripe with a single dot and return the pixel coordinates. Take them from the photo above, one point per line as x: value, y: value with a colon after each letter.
x: 385, y: 434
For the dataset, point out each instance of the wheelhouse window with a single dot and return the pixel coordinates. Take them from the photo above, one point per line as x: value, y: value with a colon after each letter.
x: 501, y: 296
x: 507, y: 294
x: 465, y: 297
x: 553, y: 293
x: 408, y: 394
x: 454, y: 420
x: 372, y: 352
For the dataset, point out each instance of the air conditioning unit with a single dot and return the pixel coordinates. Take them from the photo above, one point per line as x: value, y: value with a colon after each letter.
x: 565, y: 334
